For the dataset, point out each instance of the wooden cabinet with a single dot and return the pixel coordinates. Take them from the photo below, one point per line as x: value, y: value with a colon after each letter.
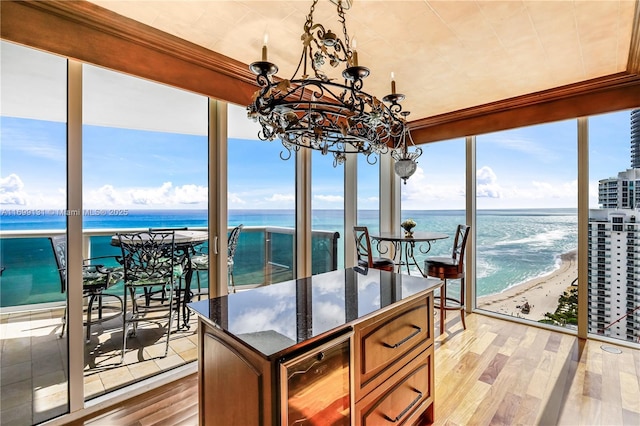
x: 393, y: 365
x: 235, y: 386
x: 375, y: 368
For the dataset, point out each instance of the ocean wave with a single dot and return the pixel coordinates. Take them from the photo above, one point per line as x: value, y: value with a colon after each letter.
x: 484, y: 268
x: 543, y: 239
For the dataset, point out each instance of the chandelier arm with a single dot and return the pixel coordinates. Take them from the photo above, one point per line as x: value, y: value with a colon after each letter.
x: 285, y: 157
x: 303, y: 58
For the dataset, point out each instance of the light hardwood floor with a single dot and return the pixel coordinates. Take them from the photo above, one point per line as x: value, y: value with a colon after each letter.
x: 496, y: 372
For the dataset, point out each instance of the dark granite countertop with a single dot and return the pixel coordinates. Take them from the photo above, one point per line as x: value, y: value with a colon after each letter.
x: 276, y: 319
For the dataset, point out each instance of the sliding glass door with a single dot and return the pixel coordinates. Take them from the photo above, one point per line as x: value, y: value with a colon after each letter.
x: 33, y: 164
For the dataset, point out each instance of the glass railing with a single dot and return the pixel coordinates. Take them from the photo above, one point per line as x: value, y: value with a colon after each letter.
x: 264, y: 255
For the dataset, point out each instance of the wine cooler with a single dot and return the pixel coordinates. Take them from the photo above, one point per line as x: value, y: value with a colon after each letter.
x: 316, y: 386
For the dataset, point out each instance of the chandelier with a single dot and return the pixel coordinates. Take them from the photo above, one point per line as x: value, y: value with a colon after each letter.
x: 312, y: 110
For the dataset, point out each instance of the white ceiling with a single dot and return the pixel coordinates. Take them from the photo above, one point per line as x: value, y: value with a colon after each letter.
x: 446, y: 55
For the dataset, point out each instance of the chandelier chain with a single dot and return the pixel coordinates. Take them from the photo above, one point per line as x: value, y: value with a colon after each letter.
x: 343, y: 21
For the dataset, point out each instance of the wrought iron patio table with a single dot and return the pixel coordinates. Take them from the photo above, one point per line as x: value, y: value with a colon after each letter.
x: 404, y: 247
x: 184, y: 241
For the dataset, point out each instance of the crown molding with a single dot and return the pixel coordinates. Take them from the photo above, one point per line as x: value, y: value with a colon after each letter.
x: 605, y: 94
x: 89, y: 33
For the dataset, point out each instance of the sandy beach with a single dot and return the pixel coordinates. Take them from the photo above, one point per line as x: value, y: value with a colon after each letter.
x: 541, y: 293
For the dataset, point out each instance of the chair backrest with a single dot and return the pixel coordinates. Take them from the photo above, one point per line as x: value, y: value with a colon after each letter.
x: 59, y: 246
x: 363, y: 245
x: 459, y: 245
x: 148, y: 256
x: 232, y: 242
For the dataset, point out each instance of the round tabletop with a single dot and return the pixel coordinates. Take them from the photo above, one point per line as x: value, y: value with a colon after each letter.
x: 180, y: 237
x: 418, y: 236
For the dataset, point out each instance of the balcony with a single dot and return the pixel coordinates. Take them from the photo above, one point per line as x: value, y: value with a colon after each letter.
x: 33, y: 309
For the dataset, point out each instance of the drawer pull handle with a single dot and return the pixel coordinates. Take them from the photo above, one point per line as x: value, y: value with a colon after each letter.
x: 414, y: 402
x: 405, y: 340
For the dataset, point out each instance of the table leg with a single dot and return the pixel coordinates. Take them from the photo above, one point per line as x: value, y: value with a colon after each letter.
x: 410, y: 254
x: 184, y: 295
x: 186, y: 313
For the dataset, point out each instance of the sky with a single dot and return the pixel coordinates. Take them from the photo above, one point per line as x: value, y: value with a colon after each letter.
x: 145, y: 147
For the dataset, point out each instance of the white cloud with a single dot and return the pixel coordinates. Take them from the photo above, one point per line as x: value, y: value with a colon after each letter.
x: 233, y: 198
x: 166, y: 195
x: 12, y: 190
x: 527, y: 146
x: 329, y: 198
x: 106, y: 195
x: 289, y: 198
x: 487, y: 183
x: 561, y: 190
x: 432, y: 192
x: 191, y: 194
x: 151, y: 196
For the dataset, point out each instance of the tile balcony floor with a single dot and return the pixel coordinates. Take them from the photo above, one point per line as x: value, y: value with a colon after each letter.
x: 33, y: 360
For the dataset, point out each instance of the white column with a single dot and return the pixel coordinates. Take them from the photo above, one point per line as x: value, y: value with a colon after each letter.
x: 303, y: 214
x: 350, y: 208
x: 217, y: 215
x: 583, y: 227
x: 389, y: 196
x: 75, y: 333
x: 470, y: 212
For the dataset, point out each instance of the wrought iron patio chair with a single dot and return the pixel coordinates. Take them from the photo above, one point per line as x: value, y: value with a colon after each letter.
x: 179, y: 260
x: 200, y: 260
x: 96, y: 278
x: 150, y: 266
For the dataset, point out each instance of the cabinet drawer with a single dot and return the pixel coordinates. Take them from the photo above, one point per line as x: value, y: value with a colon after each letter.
x: 399, y: 399
x: 382, y: 344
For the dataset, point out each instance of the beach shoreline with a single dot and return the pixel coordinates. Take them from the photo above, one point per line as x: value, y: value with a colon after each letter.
x: 540, y: 293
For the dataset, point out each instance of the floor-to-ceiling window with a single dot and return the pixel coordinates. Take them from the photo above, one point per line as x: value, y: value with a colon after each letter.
x: 368, y: 184
x: 144, y: 166
x: 434, y: 197
x: 526, y: 246
x: 261, y: 197
x: 327, y: 213
x: 614, y: 225
x: 33, y: 156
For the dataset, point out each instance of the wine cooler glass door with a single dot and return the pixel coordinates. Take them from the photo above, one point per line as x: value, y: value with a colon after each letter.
x: 315, y: 386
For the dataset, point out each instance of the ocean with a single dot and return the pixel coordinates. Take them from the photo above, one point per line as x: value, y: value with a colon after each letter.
x: 513, y: 245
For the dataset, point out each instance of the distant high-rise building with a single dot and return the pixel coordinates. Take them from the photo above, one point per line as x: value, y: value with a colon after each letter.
x: 621, y: 192
x: 614, y: 251
x: 614, y: 273
x: 635, y: 138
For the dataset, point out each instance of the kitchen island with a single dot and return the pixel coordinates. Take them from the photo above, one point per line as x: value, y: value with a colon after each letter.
x: 351, y: 346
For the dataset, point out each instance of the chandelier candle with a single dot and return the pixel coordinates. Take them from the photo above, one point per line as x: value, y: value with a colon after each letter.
x: 355, y: 53
x: 393, y: 84
x: 264, y: 46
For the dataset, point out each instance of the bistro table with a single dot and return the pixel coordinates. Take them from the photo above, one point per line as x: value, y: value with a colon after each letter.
x: 184, y: 240
x: 404, y: 246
